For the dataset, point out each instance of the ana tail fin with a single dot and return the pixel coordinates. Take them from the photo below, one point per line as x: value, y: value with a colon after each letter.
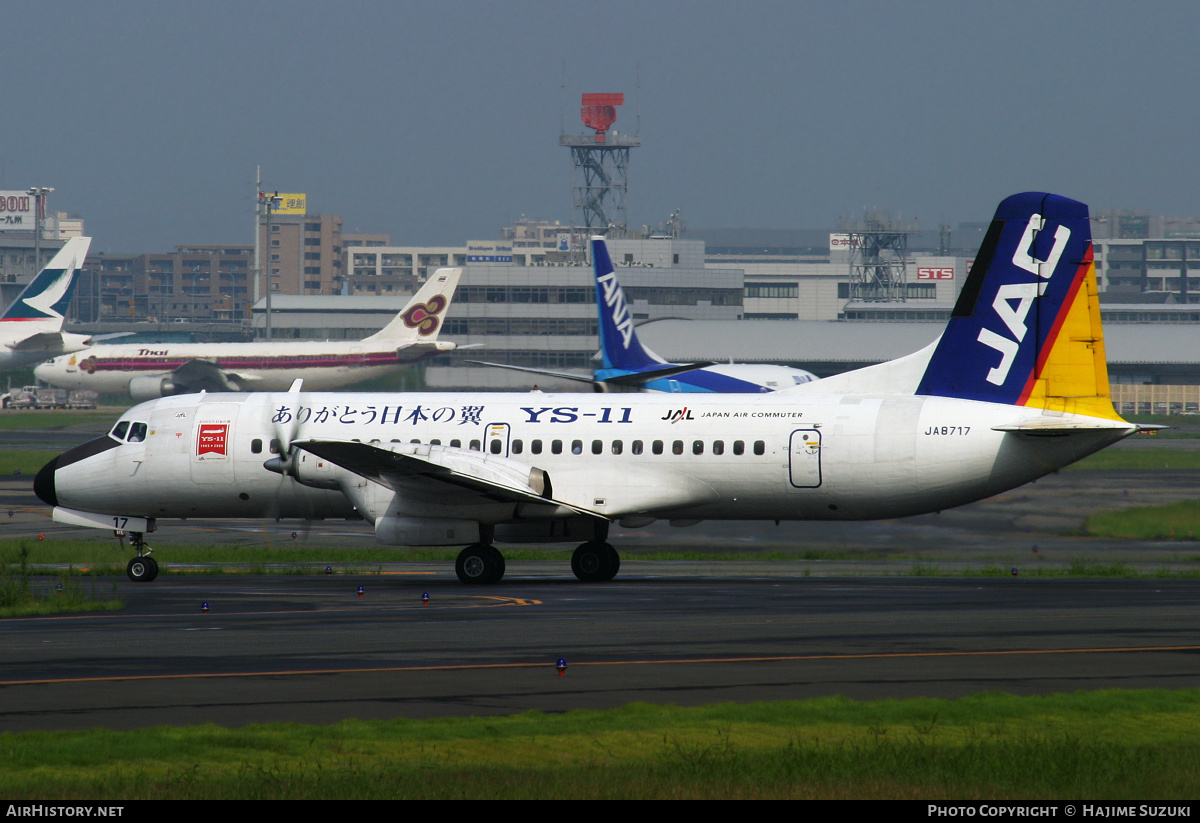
x: 619, y: 344
x: 48, y: 294
x: 1026, y: 329
x: 422, y: 317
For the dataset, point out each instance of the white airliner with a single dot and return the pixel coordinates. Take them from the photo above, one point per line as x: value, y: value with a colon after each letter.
x: 149, y: 370
x: 1015, y: 388
x: 628, y: 366
x: 31, y: 328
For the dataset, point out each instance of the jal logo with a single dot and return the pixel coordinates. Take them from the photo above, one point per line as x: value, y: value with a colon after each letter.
x: 424, y: 316
x: 1014, y: 300
x: 675, y: 415
x: 614, y: 298
x: 212, y: 439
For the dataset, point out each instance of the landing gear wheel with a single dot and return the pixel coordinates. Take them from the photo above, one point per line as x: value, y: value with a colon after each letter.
x: 499, y: 559
x: 479, y: 564
x: 595, y: 562
x: 142, y: 569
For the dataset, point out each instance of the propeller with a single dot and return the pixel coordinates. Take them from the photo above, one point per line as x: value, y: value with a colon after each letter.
x: 284, y: 462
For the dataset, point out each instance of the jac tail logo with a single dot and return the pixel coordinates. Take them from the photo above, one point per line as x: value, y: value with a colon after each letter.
x: 675, y: 415
x: 1014, y: 300
x: 614, y: 298
x: 423, y: 316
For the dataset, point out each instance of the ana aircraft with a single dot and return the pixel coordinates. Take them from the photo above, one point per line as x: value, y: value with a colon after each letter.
x: 31, y: 328
x: 1015, y: 388
x: 629, y: 366
x: 149, y: 370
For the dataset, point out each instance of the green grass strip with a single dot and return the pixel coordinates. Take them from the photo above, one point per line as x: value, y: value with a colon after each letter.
x: 1096, y: 745
x: 1139, y: 459
x: 1172, y: 521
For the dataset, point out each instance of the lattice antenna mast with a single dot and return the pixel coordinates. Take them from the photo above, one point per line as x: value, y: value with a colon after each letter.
x: 879, y: 259
x: 600, y: 176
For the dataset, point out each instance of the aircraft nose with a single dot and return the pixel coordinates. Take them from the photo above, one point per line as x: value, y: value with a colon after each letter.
x: 43, y: 483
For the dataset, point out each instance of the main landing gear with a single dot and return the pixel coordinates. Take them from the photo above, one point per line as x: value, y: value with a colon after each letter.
x: 596, y: 561
x: 143, y: 568
x: 593, y: 562
x: 479, y: 564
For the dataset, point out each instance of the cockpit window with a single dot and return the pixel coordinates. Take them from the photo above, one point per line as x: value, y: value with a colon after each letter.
x: 137, y: 432
x: 120, y: 429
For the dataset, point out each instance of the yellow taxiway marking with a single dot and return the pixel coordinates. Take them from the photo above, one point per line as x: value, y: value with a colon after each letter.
x: 575, y: 665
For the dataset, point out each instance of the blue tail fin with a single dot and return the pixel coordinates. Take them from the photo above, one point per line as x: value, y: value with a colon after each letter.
x: 619, y: 344
x: 1026, y: 327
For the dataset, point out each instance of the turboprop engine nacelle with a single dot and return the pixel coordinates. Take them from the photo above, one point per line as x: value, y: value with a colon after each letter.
x: 425, y: 531
x: 146, y: 388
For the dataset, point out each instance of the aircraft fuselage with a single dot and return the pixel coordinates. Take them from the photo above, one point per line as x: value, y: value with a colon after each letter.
x: 630, y: 457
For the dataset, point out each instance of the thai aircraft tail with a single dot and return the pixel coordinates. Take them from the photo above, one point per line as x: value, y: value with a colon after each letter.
x: 33, y: 323
x: 421, y: 319
x: 1026, y: 328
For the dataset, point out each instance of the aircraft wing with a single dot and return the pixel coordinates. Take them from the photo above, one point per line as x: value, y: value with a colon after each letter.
x: 640, y: 378
x: 562, y: 375
x: 630, y: 379
x: 44, y: 341
x: 204, y: 375
x: 444, y: 474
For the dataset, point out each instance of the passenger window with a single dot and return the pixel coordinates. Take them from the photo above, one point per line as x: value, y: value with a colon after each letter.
x: 495, y: 446
x: 556, y: 447
x: 617, y: 447
x: 435, y: 442
x: 636, y: 447
x: 739, y: 447
x: 274, y: 446
x: 474, y: 446
x: 536, y: 447
x: 697, y: 447
x: 517, y: 447
x: 256, y: 446
x: 597, y: 446
x: 414, y: 440
x: 120, y: 429
x: 576, y: 447
x: 677, y: 447
x: 760, y: 447
x: 137, y: 432
x: 456, y: 444
x: 658, y: 447
x: 718, y: 447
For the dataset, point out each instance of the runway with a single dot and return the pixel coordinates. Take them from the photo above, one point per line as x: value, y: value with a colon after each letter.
x: 845, y: 615
x: 308, y: 649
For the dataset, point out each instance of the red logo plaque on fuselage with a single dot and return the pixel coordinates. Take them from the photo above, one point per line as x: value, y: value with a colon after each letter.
x: 212, y: 439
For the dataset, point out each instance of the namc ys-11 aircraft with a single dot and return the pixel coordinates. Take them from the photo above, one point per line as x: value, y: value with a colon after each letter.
x: 31, y: 328
x: 148, y: 370
x: 628, y: 366
x: 1015, y: 388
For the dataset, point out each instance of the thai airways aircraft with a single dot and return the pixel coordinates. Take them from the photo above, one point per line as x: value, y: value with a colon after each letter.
x: 1015, y: 388
x: 150, y: 370
x: 31, y: 328
x: 629, y: 366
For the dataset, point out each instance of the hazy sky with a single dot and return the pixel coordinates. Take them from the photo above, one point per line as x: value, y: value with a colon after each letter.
x: 438, y: 122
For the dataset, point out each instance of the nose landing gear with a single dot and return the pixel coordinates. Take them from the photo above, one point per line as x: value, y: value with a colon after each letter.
x: 143, y: 568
